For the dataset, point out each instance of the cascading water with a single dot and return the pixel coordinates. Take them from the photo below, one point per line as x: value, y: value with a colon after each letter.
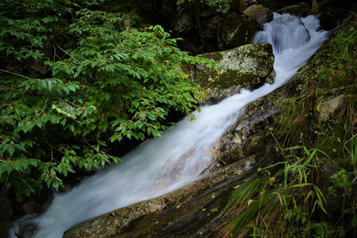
x: 162, y: 165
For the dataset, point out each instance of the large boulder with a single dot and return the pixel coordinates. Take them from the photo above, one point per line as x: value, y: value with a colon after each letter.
x: 259, y: 13
x: 248, y: 67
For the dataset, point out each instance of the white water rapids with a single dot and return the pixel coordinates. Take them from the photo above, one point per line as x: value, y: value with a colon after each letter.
x: 161, y: 165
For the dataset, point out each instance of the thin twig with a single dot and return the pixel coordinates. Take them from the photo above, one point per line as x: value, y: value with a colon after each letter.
x: 67, y: 53
x: 44, y: 106
x: 54, y: 53
x: 19, y: 75
x: 94, y: 152
x: 66, y: 102
x: 52, y: 158
x: 278, y: 144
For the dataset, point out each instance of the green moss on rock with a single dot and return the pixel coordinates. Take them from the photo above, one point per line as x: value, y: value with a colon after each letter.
x: 248, y: 67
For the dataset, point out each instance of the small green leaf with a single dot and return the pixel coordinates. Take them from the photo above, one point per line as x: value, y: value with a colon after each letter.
x: 11, y: 150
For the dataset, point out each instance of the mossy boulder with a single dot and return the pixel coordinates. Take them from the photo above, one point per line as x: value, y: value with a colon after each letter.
x: 248, y: 67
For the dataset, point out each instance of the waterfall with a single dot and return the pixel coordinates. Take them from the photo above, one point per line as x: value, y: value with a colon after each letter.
x: 164, y: 164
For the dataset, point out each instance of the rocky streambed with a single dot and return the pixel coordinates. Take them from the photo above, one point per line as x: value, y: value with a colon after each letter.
x: 194, y: 210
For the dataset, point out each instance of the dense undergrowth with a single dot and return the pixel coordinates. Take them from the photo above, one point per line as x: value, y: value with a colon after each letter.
x: 312, y: 191
x: 76, y: 77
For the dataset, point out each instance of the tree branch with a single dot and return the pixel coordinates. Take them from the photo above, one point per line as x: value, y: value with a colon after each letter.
x: 67, y: 53
x: 18, y: 75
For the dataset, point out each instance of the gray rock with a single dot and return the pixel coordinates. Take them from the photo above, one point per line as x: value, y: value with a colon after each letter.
x: 327, y: 108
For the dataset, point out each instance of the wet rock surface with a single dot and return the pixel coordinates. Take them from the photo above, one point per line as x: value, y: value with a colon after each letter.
x: 251, y: 135
x: 245, y: 67
x: 159, y: 217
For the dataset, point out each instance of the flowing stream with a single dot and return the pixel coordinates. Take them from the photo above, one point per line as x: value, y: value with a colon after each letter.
x: 161, y: 165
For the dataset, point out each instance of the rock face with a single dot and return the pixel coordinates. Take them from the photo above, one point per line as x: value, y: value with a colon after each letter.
x: 220, y: 31
x: 183, y: 22
x: 251, y: 135
x: 248, y: 66
x: 235, y: 30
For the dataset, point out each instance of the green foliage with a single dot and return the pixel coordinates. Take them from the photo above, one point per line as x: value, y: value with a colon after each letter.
x: 281, y: 205
x: 351, y: 147
x: 75, y: 76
